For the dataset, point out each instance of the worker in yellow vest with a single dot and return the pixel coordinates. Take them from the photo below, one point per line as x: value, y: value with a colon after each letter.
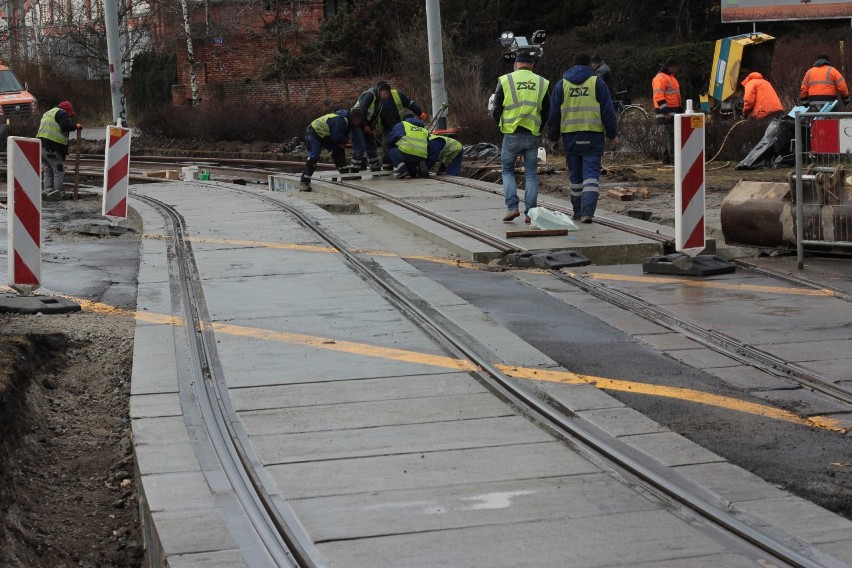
x: 408, y: 147
x: 53, y: 132
x: 330, y: 132
x: 521, y: 107
x: 582, y: 113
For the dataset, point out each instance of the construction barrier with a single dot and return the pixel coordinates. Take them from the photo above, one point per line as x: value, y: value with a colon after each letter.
x: 689, y: 168
x: 831, y: 136
x: 23, y: 182
x: 116, y: 173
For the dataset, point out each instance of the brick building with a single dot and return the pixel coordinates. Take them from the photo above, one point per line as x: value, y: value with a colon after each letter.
x: 235, y: 53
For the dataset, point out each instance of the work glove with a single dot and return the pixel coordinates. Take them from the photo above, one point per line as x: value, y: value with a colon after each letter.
x: 79, y: 126
x: 368, y: 131
x: 423, y: 116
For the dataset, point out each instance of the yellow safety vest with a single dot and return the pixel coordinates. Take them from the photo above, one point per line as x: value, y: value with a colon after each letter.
x: 581, y: 111
x: 321, y: 127
x: 49, y: 129
x: 523, y: 96
x: 372, y: 117
x: 451, y: 149
x: 415, y: 142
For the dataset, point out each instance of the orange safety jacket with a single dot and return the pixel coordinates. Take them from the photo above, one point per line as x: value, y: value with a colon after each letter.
x: 760, y: 98
x: 666, y: 94
x: 824, y: 84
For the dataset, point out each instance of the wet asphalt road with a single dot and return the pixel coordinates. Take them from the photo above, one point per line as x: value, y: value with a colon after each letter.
x: 792, y: 456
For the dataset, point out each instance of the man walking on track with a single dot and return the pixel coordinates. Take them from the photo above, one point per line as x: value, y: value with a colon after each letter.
x: 331, y: 132
x: 53, y: 133
x: 521, y: 109
x: 667, y: 103
x: 583, y: 113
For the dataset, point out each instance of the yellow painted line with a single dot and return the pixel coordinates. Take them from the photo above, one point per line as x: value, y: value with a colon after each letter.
x: 457, y: 262
x: 261, y: 244
x: 710, y: 284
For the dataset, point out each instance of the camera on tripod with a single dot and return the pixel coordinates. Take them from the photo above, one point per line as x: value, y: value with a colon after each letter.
x: 513, y: 45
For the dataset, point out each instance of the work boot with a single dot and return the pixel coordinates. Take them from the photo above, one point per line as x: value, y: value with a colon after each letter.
x: 527, y: 219
x: 423, y: 170
x: 511, y: 215
x: 344, y: 171
x: 586, y: 219
x: 375, y: 165
x: 355, y: 167
x: 400, y: 171
x: 305, y: 186
x: 54, y: 196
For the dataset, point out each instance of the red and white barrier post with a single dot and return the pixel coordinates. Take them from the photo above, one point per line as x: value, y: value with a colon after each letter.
x: 689, y: 170
x: 23, y: 182
x: 116, y: 173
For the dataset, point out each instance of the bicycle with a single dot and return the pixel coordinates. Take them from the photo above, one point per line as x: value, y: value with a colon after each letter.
x: 627, y: 112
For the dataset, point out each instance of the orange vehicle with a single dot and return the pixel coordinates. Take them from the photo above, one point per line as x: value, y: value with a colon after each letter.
x: 15, y: 100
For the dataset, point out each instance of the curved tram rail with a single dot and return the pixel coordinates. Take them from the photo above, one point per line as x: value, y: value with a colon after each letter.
x: 647, y: 473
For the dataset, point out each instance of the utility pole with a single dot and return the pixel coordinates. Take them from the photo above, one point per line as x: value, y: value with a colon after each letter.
x: 116, y: 77
x: 436, y: 59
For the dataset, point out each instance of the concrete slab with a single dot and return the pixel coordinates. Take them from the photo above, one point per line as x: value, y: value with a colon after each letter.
x: 361, y: 390
x: 397, y: 439
x: 731, y: 483
x: 419, y: 471
x: 203, y: 530
x: 155, y: 405
x: 156, y: 372
x: 801, y: 518
x: 621, y: 421
x: 817, y: 350
x: 174, y: 491
x: 838, y: 368
x: 702, y: 358
x: 802, y: 401
x: 223, y: 559
x: 166, y: 458
x: 587, y: 542
x: 749, y: 378
x: 577, y: 398
x: 396, y: 512
x: 667, y: 341
x: 160, y: 431
x: 671, y: 449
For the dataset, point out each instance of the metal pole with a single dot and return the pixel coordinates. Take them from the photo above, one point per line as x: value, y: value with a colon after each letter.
x: 800, y: 208
x: 436, y: 59
x: 116, y: 77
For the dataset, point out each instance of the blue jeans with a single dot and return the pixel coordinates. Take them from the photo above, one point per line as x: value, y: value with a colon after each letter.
x: 454, y: 167
x: 514, y: 145
x: 361, y: 143
x: 584, y: 173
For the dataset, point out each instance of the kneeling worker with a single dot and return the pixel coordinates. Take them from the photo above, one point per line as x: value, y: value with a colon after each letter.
x: 53, y: 133
x: 330, y: 132
x: 408, y: 147
x: 447, y: 151
x: 760, y: 99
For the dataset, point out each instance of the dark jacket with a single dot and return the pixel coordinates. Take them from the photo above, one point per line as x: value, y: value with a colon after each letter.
x: 67, y: 125
x: 604, y: 72
x: 583, y: 143
x: 339, y: 128
x: 390, y: 114
x: 499, y: 97
x: 364, y: 101
x: 398, y: 131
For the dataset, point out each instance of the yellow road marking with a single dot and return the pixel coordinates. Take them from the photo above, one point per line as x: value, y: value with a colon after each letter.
x: 710, y: 284
x: 519, y: 372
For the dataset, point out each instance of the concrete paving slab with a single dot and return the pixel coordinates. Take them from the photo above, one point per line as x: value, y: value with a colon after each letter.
x: 154, y: 298
x: 730, y: 482
x: 160, y: 430
x: 177, y: 491
x: 396, y: 512
x: 577, y: 398
x: 671, y: 449
x: 839, y: 368
x: 802, y: 401
x: 201, y: 530
x: 166, y: 458
x: 761, y: 312
x: 260, y: 261
x: 157, y: 371
x: 434, y: 469
x: 702, y: 358
x: 801, y: 518
x: 223, y: 559
x: 397, y: 439
x: 330, y: 417
x: 621, y: 421
x: 794, y: 333
x: 841, y: 549
x: 667, y: 341
x: 712, y: 561
x: 817, y: 350
x: 588, y: 542
x: 155, y: 405
x: 750, y: 378
x: 360, y: 390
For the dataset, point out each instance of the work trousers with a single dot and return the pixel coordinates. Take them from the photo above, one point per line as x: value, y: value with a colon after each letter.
x: 584, y: 173
x: 53, y: 176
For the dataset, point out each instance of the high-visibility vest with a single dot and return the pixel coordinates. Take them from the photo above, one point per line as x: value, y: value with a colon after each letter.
x: 49, y: 129
x: 523, y: 96
x: 451, y: 149
x: 666, y: 88
x: 581, y: 111
x: 824, y: 83
x: 415, y: 142
x: 321, y: 127
x: 372, y: 115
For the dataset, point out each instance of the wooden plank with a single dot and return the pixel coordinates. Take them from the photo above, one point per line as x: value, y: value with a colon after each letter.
x: 536, y: 233
x: 620, y: 194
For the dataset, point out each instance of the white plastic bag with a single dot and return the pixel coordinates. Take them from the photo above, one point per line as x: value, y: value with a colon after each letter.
x: 545, y: 219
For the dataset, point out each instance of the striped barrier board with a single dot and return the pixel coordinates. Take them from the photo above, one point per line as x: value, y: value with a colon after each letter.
x: 831, y: 136
x: 116, y: 173
x: 689, y: 172
x: 23, y: 182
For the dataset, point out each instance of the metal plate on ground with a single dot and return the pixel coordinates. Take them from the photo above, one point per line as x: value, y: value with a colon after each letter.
x: 546, y: 259
x: 36, y: 304
x: 683, y: 265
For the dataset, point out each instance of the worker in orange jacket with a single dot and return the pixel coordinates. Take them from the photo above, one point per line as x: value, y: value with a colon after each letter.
x: 760, y: 99
x: 667, y: 103
x: 823, y: 84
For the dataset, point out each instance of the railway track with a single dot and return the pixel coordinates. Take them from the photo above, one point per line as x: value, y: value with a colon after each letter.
x: 276, y: 526
x: 647, y: 473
